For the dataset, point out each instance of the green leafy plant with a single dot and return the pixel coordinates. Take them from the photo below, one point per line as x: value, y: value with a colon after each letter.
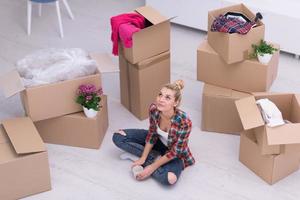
x: 89, y: 96
x: 262, y: 48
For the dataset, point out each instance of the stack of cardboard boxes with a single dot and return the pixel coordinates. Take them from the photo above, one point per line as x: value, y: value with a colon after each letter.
x: 230, y: 77
x: 228, y: 73
x: 55, y: 117
x: 145, y: 67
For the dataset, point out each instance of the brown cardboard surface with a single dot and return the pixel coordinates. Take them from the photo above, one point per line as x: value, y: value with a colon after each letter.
x: 7, y: 151
x: 11, y: 83
x: 138, y: 90
x: 151, y: 14
x: 249, y: 113
x: 219, y: 113
x: 285, y: 134
x: 270, y: 168
x: 124, y: 81
x: 21, y: 174
x: 150, y: 41
x: 25, y: 176
x: 23, y: 135
x: 39, y: 106
x: 295, y: 112
x: 3, y: 137
x: 234, y: 47
x: 262, y: 141
x: 104, y: 62
x: 213, y: 70
x: 76, y: 129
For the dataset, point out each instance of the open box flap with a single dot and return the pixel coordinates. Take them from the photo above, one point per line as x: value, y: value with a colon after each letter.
x: 151, y: 14
x: 23, y: 135
x: 249, y: 113
x: 297, y: 96
x: 212, y: 90
x: 285, y: 134
x: 104, y: 62
x: 3, y: 136
x: 11, y: 83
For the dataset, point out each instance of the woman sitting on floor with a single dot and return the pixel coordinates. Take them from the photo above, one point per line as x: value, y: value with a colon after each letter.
x: 162, y: 149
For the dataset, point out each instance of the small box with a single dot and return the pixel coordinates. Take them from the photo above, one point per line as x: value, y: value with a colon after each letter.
x: 219, y: 113
x: 140, y: 83
x: 151, y: 40
x: 271, y: 168
x: 24, y: 166
x: 49, y: 100
x: 246, y: 76
x: 234, y: 47
x: 272, y: 140
x: 76, y: 129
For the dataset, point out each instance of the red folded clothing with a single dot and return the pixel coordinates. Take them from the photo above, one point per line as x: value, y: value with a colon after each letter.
x: 129, y: 21
x: 125, y: 33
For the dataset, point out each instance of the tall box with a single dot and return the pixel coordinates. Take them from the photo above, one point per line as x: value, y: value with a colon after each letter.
x: 24, y: 167
x: 76, y: 129
x: 246, y: 76
x: 219, y: 113
x: 50, y: 100
x: 272, y: 139
x: 234, y: 47
x: 271, y: 168
x: 152, y: 40
x: 140, y: 83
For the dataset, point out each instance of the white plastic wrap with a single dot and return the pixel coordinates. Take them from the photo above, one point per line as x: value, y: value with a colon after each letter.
x: 54, y: 65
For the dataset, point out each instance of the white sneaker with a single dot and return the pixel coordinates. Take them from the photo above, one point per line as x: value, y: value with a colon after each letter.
x: 136, y: 170
x: 128, y: 156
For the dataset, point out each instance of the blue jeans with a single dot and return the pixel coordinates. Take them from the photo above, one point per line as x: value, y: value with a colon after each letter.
x: 134, y: 143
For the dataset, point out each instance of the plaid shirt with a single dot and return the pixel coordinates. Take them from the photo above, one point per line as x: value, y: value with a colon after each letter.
x: 178, y: 135
x: 231, y: 25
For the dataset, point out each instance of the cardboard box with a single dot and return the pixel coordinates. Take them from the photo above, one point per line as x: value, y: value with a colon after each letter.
x: 246, y: 76
x: 234, y: 47
x: 151, y: 40
x: 24, y: 167
x: 219, y: 113
x: 270, y: 138
x: 270, y: 168
x: 50, y: 100
x: 76, y: 129
x: 141, y: 83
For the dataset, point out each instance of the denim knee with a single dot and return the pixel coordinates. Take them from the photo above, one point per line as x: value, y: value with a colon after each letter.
x: 162, y: 177
x: 118, y: 139
x: 165, y: 180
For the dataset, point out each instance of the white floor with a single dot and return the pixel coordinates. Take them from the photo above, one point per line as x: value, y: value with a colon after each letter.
x: 78, y: 173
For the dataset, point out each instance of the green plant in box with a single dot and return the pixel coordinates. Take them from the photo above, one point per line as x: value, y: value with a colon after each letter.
x: 263, y: 51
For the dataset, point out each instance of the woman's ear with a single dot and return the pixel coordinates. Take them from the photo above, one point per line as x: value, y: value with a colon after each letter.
x: 176, y: 103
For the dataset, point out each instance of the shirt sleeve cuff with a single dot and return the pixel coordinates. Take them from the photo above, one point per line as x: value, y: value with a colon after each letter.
x: 150, y: 139
x: 171, y: 154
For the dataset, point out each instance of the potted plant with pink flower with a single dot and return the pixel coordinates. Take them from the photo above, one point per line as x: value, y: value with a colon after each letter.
x: 89, y: 97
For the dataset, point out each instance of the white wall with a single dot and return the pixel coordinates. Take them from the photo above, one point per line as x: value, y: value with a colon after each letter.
x: 282, y: 18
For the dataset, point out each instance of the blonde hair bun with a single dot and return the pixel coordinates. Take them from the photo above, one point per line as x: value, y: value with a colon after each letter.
x: 179, y: 84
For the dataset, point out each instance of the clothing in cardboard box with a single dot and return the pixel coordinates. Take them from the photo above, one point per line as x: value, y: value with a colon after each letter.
x: 270, y: 113
x: 233, y: 22
x: 123, y: 26
x: 53, y: 65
